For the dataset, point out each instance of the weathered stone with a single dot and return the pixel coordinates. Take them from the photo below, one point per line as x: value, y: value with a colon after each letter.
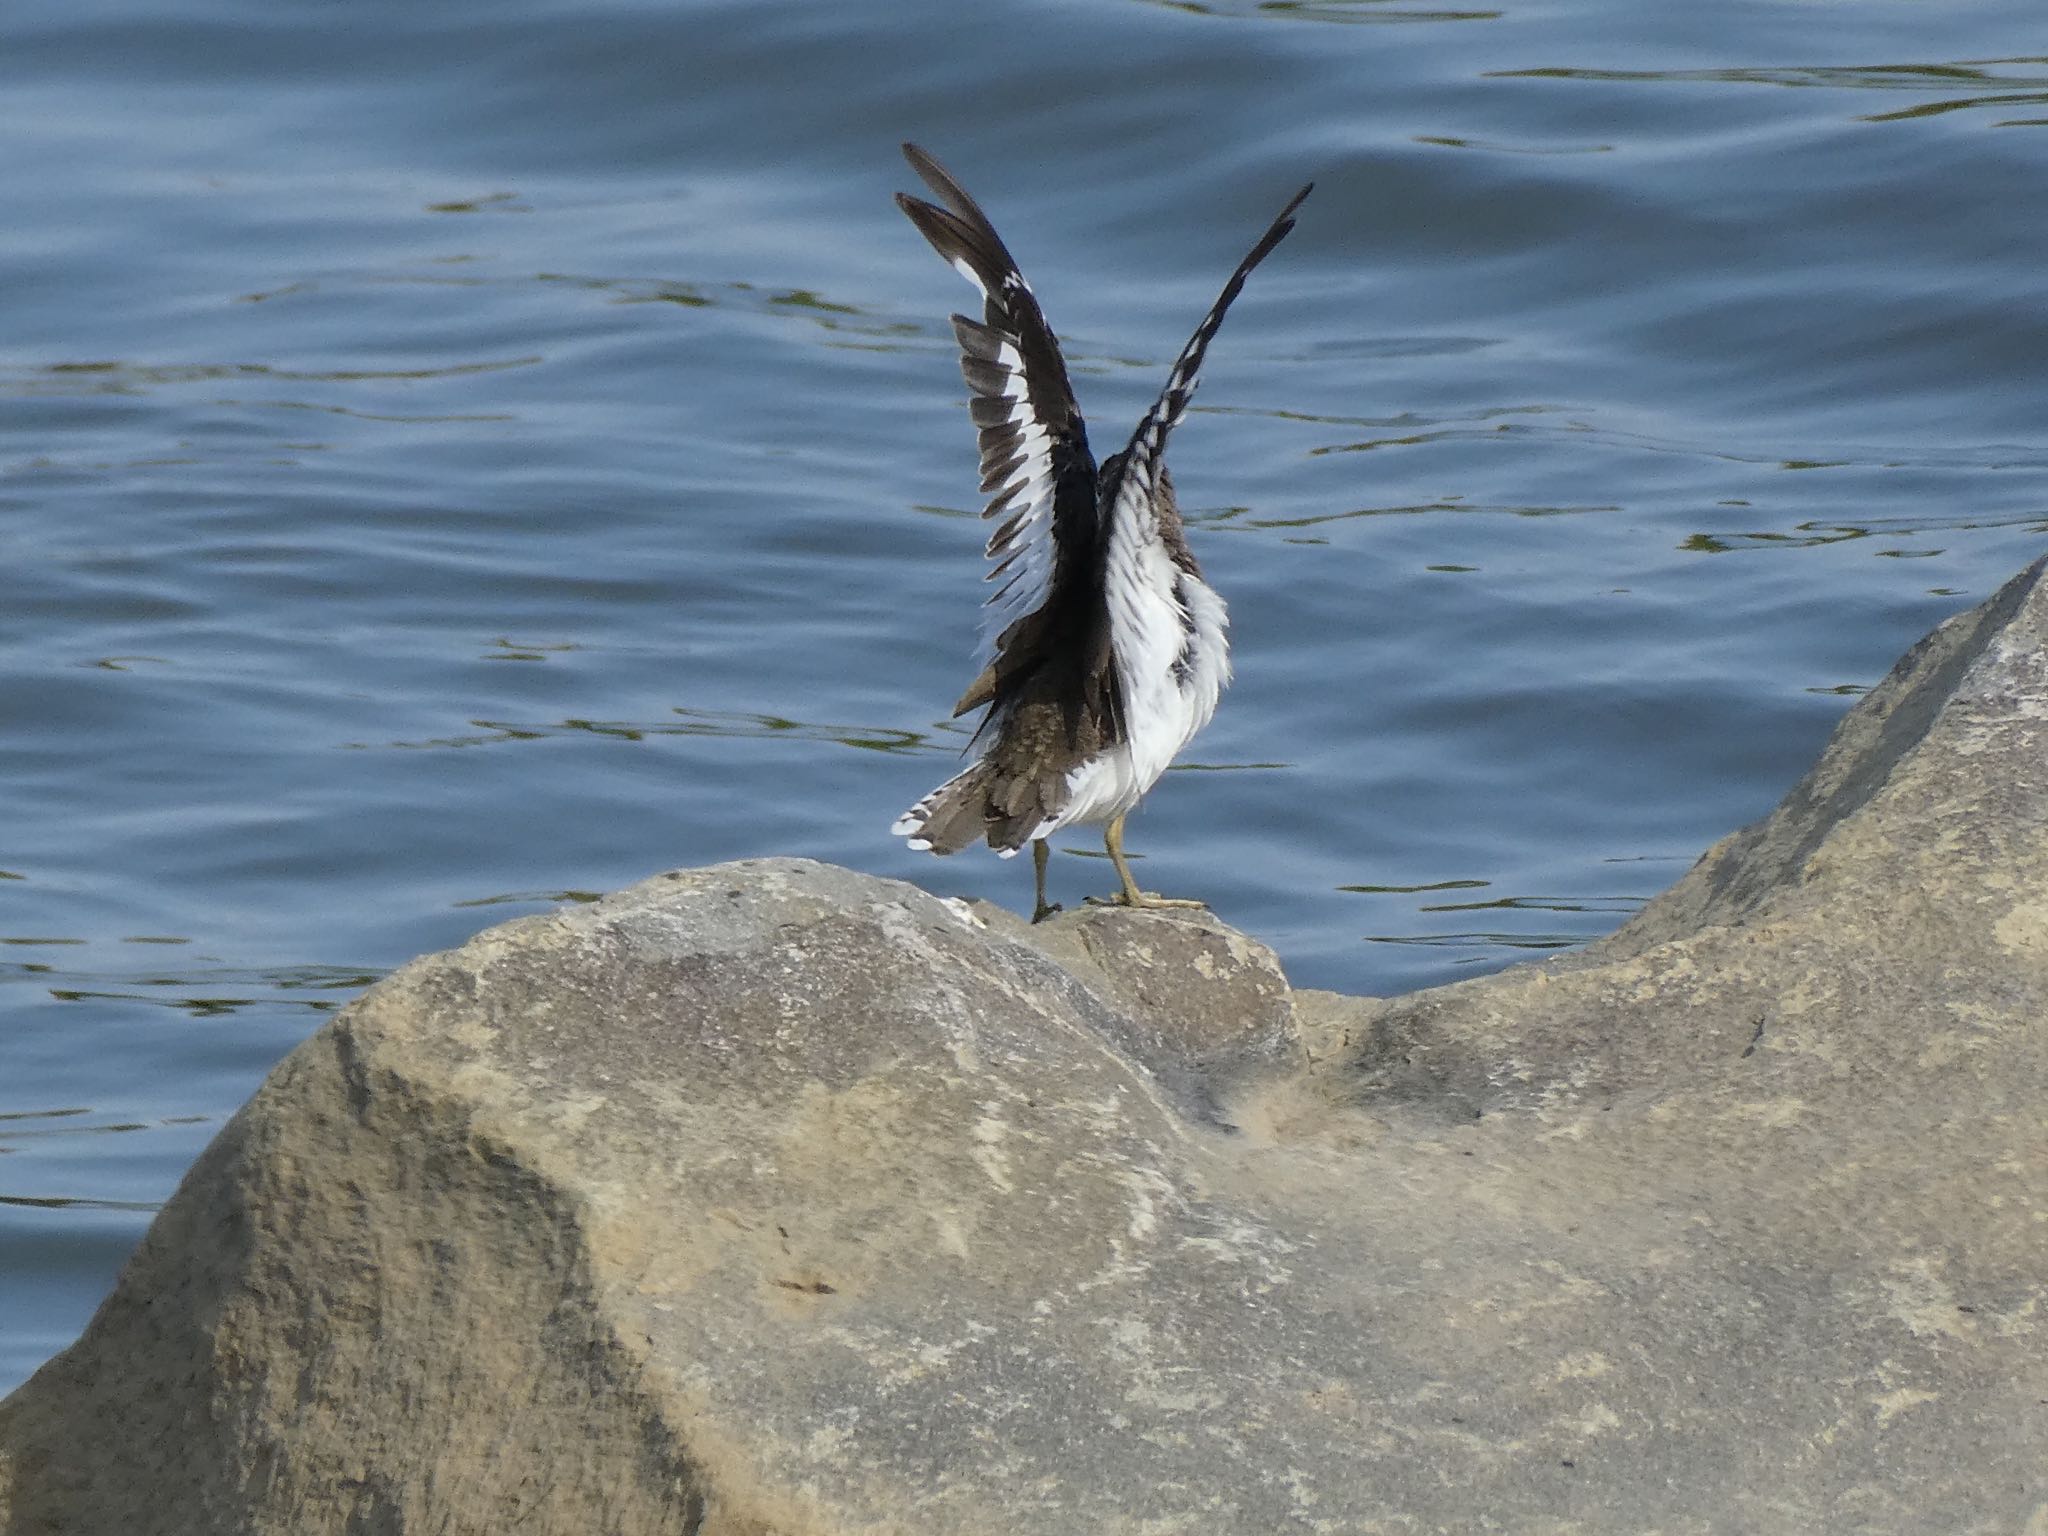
x: 1191, y: 999
x: 773, y: 1199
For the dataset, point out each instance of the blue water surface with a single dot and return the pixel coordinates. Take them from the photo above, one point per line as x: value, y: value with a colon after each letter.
x: 456, y: 459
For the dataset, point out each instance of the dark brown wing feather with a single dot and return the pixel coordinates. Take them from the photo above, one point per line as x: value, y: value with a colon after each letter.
x: 1148, y: 443
x: 1046, y: 553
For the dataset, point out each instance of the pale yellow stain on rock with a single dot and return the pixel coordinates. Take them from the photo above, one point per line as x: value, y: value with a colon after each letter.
x: 2024, y: 930
x: 1772, y: 1114
x: 1919, y: 1298
x: 1594, y: 1420
x: 1583, y: 1366
x: 1891, y: 1404
x: 989, y: 1155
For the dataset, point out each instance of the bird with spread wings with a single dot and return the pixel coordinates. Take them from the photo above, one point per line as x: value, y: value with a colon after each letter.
x: 1107, y: 649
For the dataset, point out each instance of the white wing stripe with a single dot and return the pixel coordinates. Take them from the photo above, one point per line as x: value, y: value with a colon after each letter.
x: 1035, y: 464
x: 1017, y: 472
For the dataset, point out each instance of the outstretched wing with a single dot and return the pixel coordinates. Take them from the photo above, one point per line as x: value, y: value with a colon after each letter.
x: 1149, y: 623
x: 1034, y: 445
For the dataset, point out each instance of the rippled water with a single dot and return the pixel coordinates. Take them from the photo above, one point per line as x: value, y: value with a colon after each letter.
x: 456, y: 459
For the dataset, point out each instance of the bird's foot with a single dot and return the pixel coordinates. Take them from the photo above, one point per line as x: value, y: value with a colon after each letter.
x: 1044, y: 910
x: 1146, y: 899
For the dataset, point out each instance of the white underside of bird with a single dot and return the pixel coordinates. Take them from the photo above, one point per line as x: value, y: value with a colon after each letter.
x: 1160, y: 719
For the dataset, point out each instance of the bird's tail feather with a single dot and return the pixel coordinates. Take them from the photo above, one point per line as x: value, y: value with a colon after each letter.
x: 978, y: 803
x: 951, y: 816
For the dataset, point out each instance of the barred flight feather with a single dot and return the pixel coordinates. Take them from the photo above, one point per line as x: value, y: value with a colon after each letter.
x: 1030, y: 426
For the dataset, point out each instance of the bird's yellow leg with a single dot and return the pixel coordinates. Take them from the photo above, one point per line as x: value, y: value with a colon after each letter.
x: 1130, y: 895
x: 1041, y: 855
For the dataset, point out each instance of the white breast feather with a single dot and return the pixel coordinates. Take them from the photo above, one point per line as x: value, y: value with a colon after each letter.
x: 1150, y: 633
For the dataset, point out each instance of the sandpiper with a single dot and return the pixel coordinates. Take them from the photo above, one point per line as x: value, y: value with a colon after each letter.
x: 1107, y: 650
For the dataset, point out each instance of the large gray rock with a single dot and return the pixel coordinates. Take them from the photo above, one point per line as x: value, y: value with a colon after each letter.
x: 772, y: 1200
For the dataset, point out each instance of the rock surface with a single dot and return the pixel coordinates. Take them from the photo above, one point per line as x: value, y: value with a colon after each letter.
x: 773, y: 1200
